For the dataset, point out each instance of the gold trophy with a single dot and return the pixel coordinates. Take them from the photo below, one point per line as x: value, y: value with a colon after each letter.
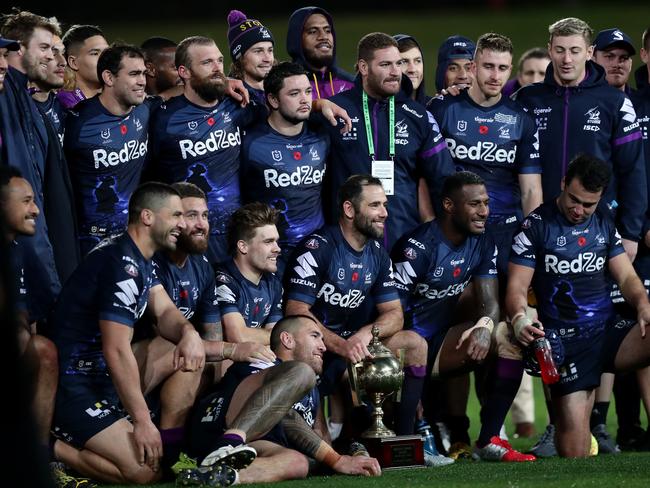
x: 374, y: 379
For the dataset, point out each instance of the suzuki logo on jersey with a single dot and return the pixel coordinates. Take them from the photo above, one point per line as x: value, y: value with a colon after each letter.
x: 217, y: 140
x: 481, y: 151
x: 404, y: 272
x: 305, y: 263
x: 302, y: 175
x: 587, y: 262
x: 352, y: 299
x: 452, y: 290
x: 225, y: 294
x: 131, y: 150
x: 129, y: 292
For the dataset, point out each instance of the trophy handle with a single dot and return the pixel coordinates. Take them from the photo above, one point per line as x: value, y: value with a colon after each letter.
x: 355, y: 388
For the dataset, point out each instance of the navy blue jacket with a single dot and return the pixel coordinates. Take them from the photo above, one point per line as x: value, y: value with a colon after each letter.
x: 25, y: 146
x: 420, y: 150
x: 597, y: 119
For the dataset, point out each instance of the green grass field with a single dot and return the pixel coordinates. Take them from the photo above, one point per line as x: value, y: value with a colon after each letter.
x: 624, y: 470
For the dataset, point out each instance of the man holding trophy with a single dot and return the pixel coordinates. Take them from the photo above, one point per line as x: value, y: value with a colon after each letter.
x: 333, y: 271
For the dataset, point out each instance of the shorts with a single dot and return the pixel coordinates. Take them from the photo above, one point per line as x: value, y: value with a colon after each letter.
x: 587, y: 358
x: 208, y: 423
x: 84, y: 407
x: 334, y: 367
x: 434, y: 345
x: 502, y: 235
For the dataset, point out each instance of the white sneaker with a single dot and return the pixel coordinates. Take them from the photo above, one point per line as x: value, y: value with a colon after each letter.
x: 238, y: 457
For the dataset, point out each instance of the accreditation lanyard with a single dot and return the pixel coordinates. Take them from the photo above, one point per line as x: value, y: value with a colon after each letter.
x: 391, y: 126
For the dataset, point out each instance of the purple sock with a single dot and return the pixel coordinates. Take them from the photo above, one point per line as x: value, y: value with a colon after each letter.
x: 233, y: 439
x: 500, y: 392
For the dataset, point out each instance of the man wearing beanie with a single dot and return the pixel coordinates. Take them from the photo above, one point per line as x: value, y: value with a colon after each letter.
x: 251, y: 49
x: 311, y: 42
x: 454, y: 61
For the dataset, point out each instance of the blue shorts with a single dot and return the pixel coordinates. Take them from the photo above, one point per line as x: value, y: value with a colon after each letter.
x: 208, y: 422
x: 334, y: 367
x: 587, y: 358
x: 84, y: 407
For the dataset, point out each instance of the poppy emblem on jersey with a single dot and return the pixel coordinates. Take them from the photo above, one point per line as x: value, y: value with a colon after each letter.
x: 123, y: 129
x: 483, y: 129
x: 297, y: 156
x: 211, y: 121
x: 410, y: 253
x: 184, y: 294
x: 355, y: 276
x: 456, y: 272
x: 582, y: 241
x: 438, y: 272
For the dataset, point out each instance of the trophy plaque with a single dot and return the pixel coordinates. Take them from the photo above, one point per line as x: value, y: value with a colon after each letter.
x: 372, y: 381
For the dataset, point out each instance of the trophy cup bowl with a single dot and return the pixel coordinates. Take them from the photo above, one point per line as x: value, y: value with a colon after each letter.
x: 376, y: 378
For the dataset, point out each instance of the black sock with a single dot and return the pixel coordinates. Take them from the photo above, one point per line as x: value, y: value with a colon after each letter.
x: 628, y: 404
x: 599, y: 414
x: 549, y: 409
x: 500, y: 393
x: 458, y: 426
x: 411, y: 394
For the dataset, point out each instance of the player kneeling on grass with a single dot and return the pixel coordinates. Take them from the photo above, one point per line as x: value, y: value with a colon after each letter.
x: 570, y: 250
x: 272, y: 408
x: 433, y: 265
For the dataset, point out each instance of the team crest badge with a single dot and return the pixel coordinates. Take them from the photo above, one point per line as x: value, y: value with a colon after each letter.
x: 438, y: 272
x: 131, y: 269
x: 462, y: 125
x: 192, y: 125
x: 410, y: 253
x: 311, y: 244
x: 341, y: 274
x: 561, y: 241
x: 106, y: 133
x: 277, y: 155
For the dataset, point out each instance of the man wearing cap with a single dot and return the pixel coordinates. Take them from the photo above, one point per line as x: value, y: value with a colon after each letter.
x: 6, y: 45
x: 577, y: 112
x: 311, y: 42
x: 454, y: 62
x: 251, y: 49
x: 613, y: 50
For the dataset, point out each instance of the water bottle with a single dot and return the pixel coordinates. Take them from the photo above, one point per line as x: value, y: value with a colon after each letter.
x: 544, y: 357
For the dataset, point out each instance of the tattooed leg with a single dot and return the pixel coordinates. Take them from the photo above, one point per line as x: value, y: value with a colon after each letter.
x: 263, y: 399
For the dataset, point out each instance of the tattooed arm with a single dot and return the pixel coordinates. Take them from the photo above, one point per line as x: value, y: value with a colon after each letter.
x: 305, y: 440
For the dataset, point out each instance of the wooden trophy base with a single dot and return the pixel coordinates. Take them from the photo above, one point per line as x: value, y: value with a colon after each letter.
x: 399, y: 452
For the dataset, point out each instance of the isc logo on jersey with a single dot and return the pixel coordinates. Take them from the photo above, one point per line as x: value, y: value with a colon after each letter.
x: 218, y: 139
x: 303, y: 175
x: 587, y: 262
x: 486, y: 151
x: 130, y: 150
x: 352, y: 299
x: 432, y: 294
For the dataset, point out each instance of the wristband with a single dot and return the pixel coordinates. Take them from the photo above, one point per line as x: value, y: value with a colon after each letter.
x: 520, y: 321
x: 329, y: 457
